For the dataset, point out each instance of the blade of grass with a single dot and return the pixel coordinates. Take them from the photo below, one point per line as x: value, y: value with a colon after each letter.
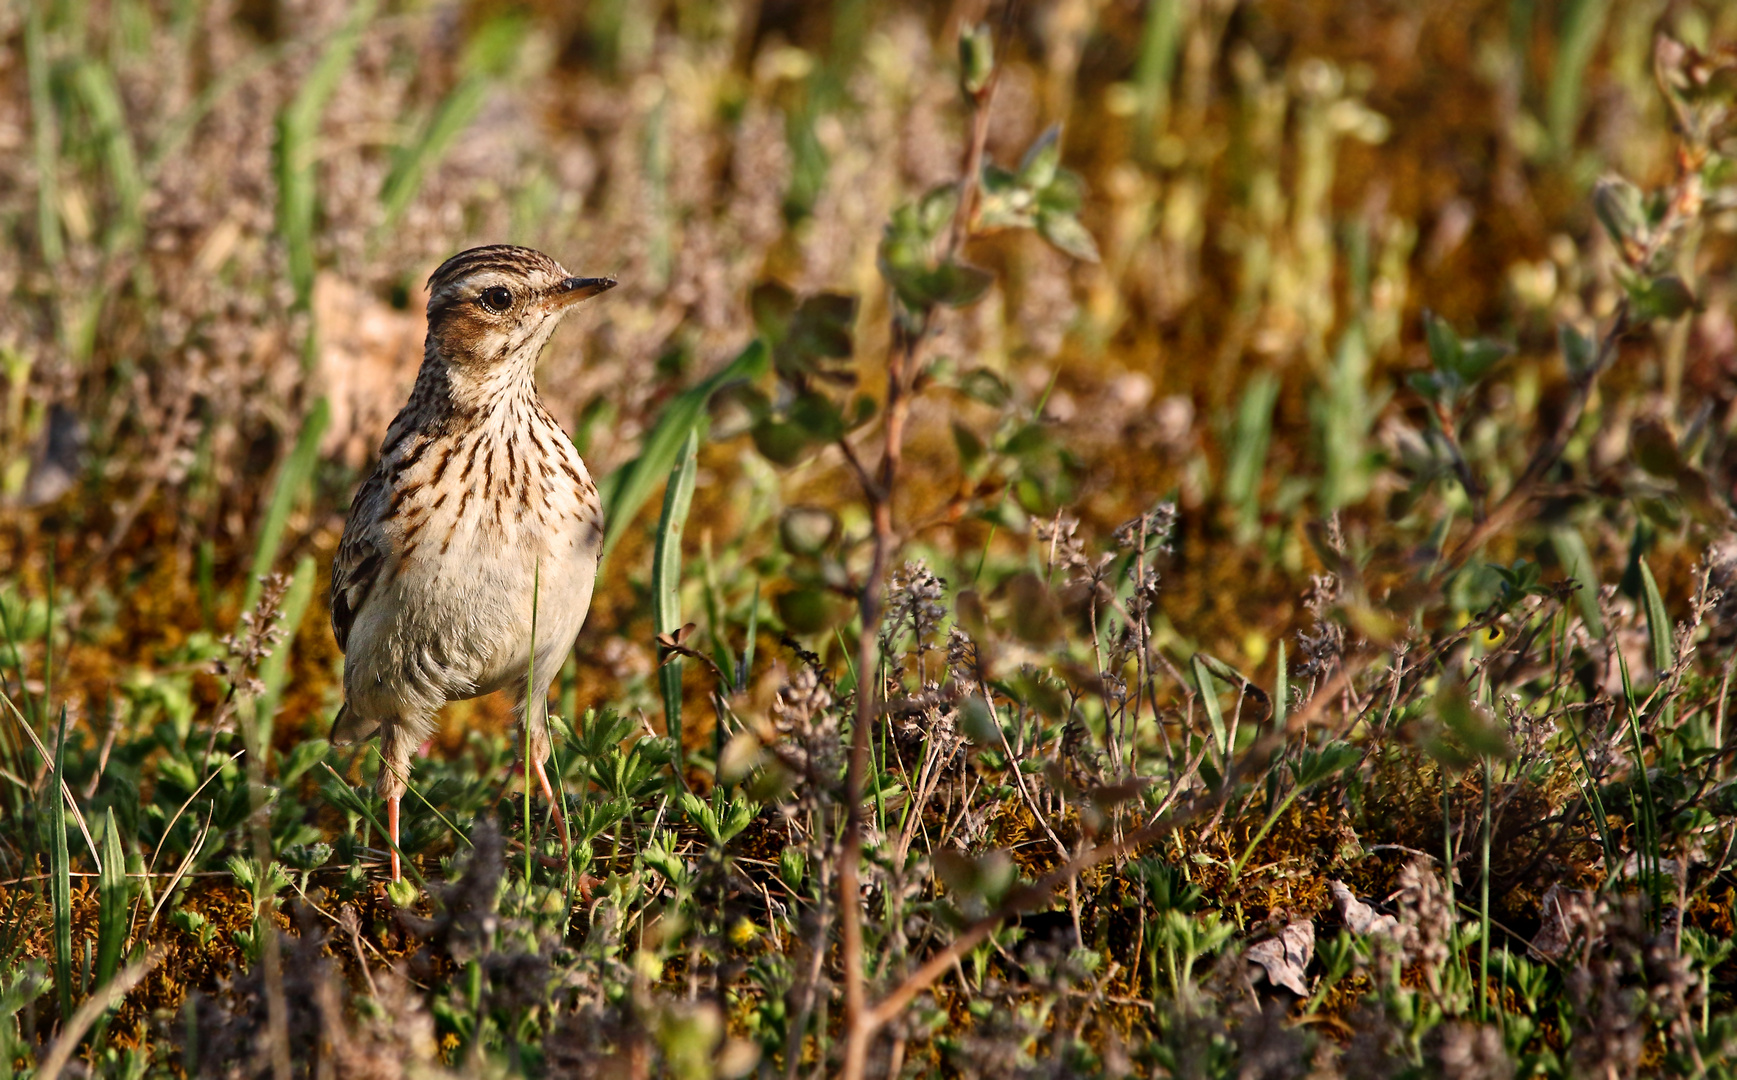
x: 95, y: 84
x: 297, y: 132
x: 1577, y: 37
x: 45, y: 138
x: 423, y: 799
x: 1281, y: 690
x: 1577, y: 564
x: 1248, y: 448
x: 530, y: 703
x: 721, y: 651
x: 491, y: 52
x: 65, y: 791
x: 1484, y: 905
x: 747, y: 669
x: 1214, y: 710
x: 112, y: 917
x: 666, y: 583
x: 1659, y: 627
x: 274, y: 669
x: 360, y: 808
x: 59, y: 869
x: 1649, y: 851
x: 292, y: 478
x: 626, y: 489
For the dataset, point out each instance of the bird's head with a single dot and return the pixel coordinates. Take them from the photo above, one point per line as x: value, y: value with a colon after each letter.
x: 496, y: 306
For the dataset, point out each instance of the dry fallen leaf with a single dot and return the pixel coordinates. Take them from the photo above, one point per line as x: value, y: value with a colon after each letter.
x: 1287, y: 956
x: 1360, y: 918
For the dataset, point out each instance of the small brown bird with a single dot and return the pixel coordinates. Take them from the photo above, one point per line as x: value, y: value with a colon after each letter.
x: 479, y: 502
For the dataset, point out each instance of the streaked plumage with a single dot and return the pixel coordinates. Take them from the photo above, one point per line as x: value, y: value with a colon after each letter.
x: 478, y: 493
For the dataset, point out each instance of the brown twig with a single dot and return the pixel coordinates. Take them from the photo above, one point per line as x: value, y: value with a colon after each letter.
x: 902, y: 360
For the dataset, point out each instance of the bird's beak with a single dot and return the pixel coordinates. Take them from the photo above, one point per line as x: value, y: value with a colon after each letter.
x: 574, y: 289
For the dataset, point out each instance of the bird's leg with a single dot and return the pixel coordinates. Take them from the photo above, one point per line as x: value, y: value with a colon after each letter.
x: 555, y: 807
x: 392, y: 827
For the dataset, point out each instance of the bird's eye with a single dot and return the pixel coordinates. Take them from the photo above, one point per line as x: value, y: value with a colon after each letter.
x: 497, y: 299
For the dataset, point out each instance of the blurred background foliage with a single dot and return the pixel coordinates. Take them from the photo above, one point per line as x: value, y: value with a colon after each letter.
x: 1324, y: 275
x: 219, y: 217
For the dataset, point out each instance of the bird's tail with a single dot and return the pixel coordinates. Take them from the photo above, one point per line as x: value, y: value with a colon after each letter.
x: 348, y: 728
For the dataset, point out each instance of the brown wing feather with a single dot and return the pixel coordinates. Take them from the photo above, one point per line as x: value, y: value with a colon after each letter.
x: 361, y: 554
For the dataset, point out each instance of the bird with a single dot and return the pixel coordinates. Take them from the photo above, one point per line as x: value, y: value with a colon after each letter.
x: 479, y: 517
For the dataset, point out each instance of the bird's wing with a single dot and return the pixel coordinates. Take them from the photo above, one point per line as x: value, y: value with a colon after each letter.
x: 361, y: 555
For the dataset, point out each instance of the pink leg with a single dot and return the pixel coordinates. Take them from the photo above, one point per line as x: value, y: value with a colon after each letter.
x: 555, y: 806
x: 392, y: 826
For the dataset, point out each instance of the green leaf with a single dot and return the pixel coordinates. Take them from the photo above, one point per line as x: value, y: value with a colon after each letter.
x: 1621, y: 209
x: 1478, y: 356
x: 1042, y: 160
x: 1659, y: 627
x: 807, y: 530
x: 1066, y: 234
x: 60, y: 872
x: 307, y: 754
x: 780, y: 441
x: 1460, y: 363
x: 817, y: 417
x: 772, y: 305
x: 1209, y: 699
x: 1578, y: 350
x: 1249, y: 443
x: 626, y: 489
x: 969, y: 445
x: 983, y: 877
x: 1433, y: 385
x: 820, y: 329
x: 1444, y: 343
x: 976, y: 58
x: 1664, y: 297
x: 293, y: 478
x: 113, y: 914
x: 981, y: 384
x: 808, y: 611
x: 666, y: 579
x: 1577, y: 564
x: 1475, y: 735
x: 297, y: 135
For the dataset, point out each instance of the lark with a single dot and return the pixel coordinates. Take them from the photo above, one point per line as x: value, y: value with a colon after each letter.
x: 479, y: 513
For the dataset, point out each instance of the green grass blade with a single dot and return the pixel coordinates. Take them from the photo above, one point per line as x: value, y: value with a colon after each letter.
x: 112, y: 909
x: 274, y: 669
x: 1248, y: 447
x: 1577, y: 564
x: 60, y: 874
x: 666, y: 580
x: 626, y: 489
x: 297, y: 132
x: 1214, y: 711
x: 102, y: 100
x: 297, y: 472
x: 1659, y: 627
x: 722, y: 653
x: 530, y: 703
x: 1281, y: 690
x: 1160, y: 44
x: 1576, y: 43
x: 45, y: 138
x: 747, y: 672
x: 491, y: 53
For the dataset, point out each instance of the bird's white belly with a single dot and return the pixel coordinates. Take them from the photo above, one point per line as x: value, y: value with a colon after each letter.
x: 455, y: 618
